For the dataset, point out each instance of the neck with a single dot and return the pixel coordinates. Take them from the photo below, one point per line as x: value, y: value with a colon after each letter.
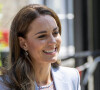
x: 43, y: 74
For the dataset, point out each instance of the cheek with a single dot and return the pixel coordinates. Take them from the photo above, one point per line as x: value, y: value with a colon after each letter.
x: 35, y: 45
x: 59, y: 40
x: 33, y: 49
x: 32, y: 46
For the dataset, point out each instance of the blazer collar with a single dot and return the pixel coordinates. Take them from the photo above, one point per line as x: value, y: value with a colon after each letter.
x: 59, y: 79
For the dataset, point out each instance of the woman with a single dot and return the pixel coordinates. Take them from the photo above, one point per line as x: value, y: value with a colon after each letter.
x: 34, y: 46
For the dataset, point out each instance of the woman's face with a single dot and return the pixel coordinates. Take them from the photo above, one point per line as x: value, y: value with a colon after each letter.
x: 43, y: 40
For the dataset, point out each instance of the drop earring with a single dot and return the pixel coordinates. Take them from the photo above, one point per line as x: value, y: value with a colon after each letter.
x: 26, y: 53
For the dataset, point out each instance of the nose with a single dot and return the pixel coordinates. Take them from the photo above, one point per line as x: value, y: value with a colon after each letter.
x: 52, y: 40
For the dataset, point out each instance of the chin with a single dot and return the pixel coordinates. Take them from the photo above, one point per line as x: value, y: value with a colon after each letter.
x: 53, y: 60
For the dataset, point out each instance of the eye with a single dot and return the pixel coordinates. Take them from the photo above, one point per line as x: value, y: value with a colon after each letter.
x: 42, y: 36
x: 56, y: 33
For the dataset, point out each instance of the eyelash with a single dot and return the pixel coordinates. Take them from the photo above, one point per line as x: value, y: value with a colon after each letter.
x: 56, y: 33
x: 43, y: 36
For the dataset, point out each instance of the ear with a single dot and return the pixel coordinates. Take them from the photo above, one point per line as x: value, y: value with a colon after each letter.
x: 22, y: 43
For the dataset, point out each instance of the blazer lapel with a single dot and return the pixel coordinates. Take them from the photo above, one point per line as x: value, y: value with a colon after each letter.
x: 59, y: 80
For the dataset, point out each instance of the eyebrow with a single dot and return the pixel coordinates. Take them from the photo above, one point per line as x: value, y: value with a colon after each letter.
x: 46, y: 31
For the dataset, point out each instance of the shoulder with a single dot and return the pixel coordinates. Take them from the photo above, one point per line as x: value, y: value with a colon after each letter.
x: 2, y: 84
x: 69, y: 75
x: 66, y: 70
x: 72, y: 75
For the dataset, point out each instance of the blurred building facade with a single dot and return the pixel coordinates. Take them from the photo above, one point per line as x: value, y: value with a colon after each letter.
x: 8, y: 9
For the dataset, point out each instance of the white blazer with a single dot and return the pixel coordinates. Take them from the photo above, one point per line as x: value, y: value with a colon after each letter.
x: 66, y: 78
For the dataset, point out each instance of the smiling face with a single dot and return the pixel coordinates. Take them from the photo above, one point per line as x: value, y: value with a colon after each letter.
x: 43, y: 40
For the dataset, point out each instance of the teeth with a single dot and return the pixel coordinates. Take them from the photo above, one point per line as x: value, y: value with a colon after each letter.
x: 50, y: 51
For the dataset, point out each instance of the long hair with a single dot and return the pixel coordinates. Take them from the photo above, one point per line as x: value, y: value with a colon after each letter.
x: 21, y: 70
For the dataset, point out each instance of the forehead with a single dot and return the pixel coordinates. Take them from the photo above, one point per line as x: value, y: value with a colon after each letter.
x: 43, y: 22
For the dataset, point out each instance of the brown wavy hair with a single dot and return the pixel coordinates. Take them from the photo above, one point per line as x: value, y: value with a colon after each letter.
x: 21, y: 70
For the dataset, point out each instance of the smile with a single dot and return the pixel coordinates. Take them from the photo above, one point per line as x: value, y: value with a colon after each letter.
x: 50, y: 51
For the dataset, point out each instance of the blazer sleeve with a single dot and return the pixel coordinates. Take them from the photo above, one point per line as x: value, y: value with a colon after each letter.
x: 2, y: 85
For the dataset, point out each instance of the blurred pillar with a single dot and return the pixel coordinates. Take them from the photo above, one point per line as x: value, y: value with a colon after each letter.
x: 96, y: 39
x: 45, y: 2
x: 80, y: 26
x: 80, y: 31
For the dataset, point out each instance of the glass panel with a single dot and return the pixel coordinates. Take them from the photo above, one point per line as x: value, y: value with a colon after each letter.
x: 36, y: 1
x: 57, y: 5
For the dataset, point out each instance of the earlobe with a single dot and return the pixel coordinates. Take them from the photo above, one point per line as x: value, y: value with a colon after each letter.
x: 22, y: 43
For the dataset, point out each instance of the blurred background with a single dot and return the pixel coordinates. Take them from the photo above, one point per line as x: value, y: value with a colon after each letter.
x: 80, y: 20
